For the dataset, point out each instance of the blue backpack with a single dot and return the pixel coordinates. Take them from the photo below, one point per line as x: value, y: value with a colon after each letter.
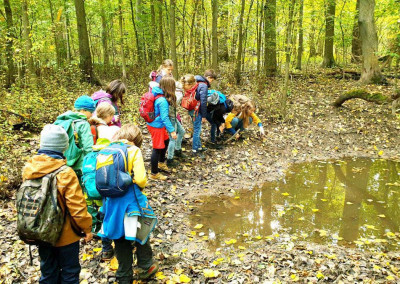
x: 112, y: 177
x: 222, y: 97
x: 89, y: 170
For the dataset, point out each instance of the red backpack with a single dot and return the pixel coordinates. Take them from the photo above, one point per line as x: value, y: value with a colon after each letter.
x: 189, y: 101
x: 146, y: 106
x: 95, y: 134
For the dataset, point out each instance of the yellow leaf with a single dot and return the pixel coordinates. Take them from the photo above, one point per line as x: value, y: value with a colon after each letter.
x: 245, y: 235
x: 324, y: 200
x: 294, y: 277
x: 285, y: 194
x: 315, y: 210
x: 237, y: 197
x: 322, y: 233
x: 390, y: 277
x: 86, y: 256
x: 184, y: 279
x: 301, y: 219
x: 320, y: 275
x: 114, y: 264
x: 160, y: 275
x: 198, y: 226
x: 193, y: 233
x: 231, y: 241
x: 209, y: 273
x: 84, y: 282
x: 390, y: 235
x: 349, y: 203
x: 381, y: 216
x: 241, y: 247
x: 97, y: 249
x: 184, y: 250
x: 380, y: 153
x: 258, y: 237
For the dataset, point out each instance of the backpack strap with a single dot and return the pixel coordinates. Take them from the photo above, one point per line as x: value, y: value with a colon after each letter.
x: 95, y: 133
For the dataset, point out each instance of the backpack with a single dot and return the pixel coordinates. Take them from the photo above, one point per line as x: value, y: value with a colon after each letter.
x: 146, y: 106
x: 95, y: 133
x: 153, y: 75
x: 228, y: 105
x: 39, y: 217
x: 112, y: 177
x: 73, y: 153
x: 189, y: 101
x: 89, y: 170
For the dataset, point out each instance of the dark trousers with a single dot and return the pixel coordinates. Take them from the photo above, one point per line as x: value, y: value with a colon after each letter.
x: 59, y: 264
x: 123, y: 250
x: 158, y: 155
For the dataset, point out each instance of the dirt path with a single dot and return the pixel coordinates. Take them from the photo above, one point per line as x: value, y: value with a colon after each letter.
x: 315, y: 130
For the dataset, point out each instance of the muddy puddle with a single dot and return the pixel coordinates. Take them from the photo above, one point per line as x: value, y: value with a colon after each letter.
x: 350, y: 202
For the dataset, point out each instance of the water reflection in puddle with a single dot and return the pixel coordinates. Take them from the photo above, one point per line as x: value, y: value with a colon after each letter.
x: 350, y: 202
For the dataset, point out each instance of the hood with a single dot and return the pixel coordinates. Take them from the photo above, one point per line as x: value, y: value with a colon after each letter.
x: 94, y: 120
x: 157, y: 91
x: 71, y: 115
x: 100, y: 94
x: 201, y: 79
x: 41, y: 165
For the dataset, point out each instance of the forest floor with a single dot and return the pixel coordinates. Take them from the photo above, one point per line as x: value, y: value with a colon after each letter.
x: 314, y: 130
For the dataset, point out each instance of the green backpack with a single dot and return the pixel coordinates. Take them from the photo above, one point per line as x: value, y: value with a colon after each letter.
x: 73, y: 153
x: 39, y: 217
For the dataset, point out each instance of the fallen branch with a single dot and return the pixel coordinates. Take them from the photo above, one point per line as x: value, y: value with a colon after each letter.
x: 377, y: 98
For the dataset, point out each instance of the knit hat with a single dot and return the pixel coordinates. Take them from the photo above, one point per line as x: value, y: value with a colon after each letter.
x: 85, y: 103
x: 54, y: 138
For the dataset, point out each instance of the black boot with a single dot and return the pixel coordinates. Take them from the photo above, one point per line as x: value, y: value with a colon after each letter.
x: 171, y: 163
x: 179, y: 154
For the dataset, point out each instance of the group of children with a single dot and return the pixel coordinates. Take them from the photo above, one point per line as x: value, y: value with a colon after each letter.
x: 97, y: 118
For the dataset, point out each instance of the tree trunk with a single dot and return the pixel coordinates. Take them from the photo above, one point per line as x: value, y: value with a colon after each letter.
x: 260, y: 15
x: 300, y: 49
x: 370, y: 71
x: 57, y: 28
x: 153, y: 32
x: 104, y: 35
x: 377, y: 98
x: 67, y: 29
x: 240, y: 48
x: 84, y: 48
x: 121, y: 40
x: 356, y: 41
x: 10, y: 76
x: 245, y: 35
x: 215, y: 34
x: 283, y: 99
x: 270, y: 64
x: 313, y: 51
x: 27, y: 39
x: 172, y: 7
x: 161, y: 31
x: 136, y: 32
x: 329, y: 60
x: 192, y: 31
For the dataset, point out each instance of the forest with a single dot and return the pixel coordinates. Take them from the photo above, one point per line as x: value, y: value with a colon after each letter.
x: 314, y: 199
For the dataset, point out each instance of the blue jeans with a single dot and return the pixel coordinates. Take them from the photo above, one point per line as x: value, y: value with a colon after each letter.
x: 196, y: 130
x: 175, y: 144
x: 59, y: 264
x: 214, y: 127
x: 237, y: 123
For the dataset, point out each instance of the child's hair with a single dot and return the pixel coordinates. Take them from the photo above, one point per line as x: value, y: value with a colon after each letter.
x: 116, y: 89
x: 130, y: 132
x: 168, y: 85
x: 247, y: 109
x: 105, y: 110
x: 188, y: 79
x: 210, y: 73
x: 166, y: 63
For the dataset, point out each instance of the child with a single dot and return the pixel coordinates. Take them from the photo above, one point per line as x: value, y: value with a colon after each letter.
x: 165, y: 69
x: 168, y: 85
x: 215, y: 116
x: 200, y: 85
x: 118, y: 210
x: 60, y: 263
x: 78, y: 129
x: 104, y: 115
x: 242, y: 115
x: 159, y: 130
x: 114, y: 92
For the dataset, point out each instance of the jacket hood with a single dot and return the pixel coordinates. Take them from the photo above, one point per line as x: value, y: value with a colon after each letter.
x: 157, y: 91
x: 202, y: 80
x: 71, y: 115
x: 100, y: 94
x: 41, y: 165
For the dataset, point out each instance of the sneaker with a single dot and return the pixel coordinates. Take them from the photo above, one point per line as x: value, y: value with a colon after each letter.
x: 107, y: 255
x: 157, y: 176
x: 202, y: 149
x: 198, y: 155
x: 144, y: 274
x: 171, y: 163
x: 179, y: 154
x: 214, y: 145
x: 164, y: 167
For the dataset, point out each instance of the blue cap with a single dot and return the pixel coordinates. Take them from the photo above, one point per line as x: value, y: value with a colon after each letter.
x: 85, y: 103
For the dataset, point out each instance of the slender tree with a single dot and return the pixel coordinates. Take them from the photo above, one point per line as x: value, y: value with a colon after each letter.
x: 214, y: 34
x: 121, y: 40
x: 104, y: 35
x: 84, y: 48
x: 240, y: 48
x: 370, y: 72
x: 270, y: 63
x: 260, y: 16
x: 27, y: 39
x: 10, y: 78
x: 172, y: 8
x: 329, y: 60
x: 138, y: 51
x: 300, y: 48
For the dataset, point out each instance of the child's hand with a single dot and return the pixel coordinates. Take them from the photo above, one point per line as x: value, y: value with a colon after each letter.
x: 88, y: 237
x: 262, y: 133
x: 222, y: 127
x: 173, y: 135
x: 237, y: 136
